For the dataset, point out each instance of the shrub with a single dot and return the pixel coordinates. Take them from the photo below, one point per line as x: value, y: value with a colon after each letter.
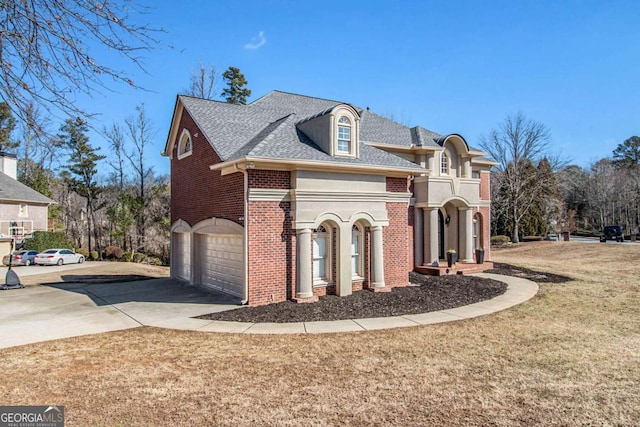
x: 532, y: 238
x: 126, y: 257
x: 500, y: 240
x: 138, y: 257
x: 153, y: 260
x: 43, y: 240
x: 113, y: 252
x: 93, y: 255
x: 83, y: 251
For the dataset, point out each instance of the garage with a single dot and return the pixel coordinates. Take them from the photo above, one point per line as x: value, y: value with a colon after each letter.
x: 220, y: 262
x: 181, y: 254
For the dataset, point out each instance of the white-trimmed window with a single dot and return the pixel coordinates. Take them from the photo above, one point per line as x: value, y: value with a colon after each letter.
x: 343, y: 141
x: 444, y: 163
x: 185, y: 146
x: 23, y: 210
x: 356, y: 251
x: 321, y: 254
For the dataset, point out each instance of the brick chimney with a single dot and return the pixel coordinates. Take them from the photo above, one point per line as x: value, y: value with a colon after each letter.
x: 9, y: 164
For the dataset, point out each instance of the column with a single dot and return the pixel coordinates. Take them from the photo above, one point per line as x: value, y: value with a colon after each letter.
x: 344, y: 285
x: 418, y: 237
x: 431, y: 255
x: 377, y: 255
x: 466, y: 171
x: 304, y: 287
x: 467, y: 234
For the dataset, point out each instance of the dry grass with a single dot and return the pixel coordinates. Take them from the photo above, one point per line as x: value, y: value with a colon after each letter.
x: 570, y: 356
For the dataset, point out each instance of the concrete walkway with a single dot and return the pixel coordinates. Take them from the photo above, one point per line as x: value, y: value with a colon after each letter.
x: 42, y: 313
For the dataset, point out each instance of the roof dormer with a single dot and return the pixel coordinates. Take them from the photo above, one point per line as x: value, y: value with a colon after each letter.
x: 335, y: 131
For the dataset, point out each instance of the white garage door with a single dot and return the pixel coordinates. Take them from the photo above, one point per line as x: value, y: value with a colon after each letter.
x: 220, y: 262
x: 181, y: 256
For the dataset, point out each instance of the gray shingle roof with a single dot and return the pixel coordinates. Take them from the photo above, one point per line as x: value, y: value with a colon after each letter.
x: 267, y: 128
x: 13, y: 190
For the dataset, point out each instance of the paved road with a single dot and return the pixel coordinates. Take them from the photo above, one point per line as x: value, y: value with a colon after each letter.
x: 597, y: 240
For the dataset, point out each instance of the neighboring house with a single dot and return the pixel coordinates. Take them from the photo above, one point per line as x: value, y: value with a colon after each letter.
x: 294, y: 197
x: 22, y: 209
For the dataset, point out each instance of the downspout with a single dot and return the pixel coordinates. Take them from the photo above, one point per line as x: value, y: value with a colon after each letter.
x: 245, y: 236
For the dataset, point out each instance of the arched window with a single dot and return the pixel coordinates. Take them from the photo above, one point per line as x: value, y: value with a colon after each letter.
x: 321, y: 254
x: 343, y: 145
x: 444, y: 163
x: 185, y: 145
x: 356, y: 251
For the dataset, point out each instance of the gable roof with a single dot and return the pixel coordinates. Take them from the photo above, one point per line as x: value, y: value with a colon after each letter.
x: 15, y: 191
x: 267, y: 129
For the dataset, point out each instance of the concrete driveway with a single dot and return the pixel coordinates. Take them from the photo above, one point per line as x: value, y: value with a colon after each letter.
x: 41, y: 313
x: 33, y: 270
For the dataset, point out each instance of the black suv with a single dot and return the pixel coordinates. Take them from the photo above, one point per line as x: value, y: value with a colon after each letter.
x: 612, y: 232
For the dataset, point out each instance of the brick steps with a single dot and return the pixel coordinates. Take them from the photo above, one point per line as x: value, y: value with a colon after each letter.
x: 460, y: 268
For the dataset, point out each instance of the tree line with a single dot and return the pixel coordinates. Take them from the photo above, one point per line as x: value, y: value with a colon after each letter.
x: 123, y: 209
x: 535, y: 192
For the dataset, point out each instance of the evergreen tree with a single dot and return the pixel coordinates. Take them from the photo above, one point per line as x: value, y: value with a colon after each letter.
x: 7, y: 124
x: 83, y: 167
x: 236, y: 93
x: 627, y: 154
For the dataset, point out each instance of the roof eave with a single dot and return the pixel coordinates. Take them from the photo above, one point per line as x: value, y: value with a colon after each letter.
x: 402, y: 148
x: 173, y: 130
x: 244, y: 163
x: 486, y: 162
x: 32, y: 202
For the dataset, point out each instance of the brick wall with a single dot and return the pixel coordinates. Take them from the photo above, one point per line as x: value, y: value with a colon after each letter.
x: 398, y: 237
x: 485, y: 194
x: 398, y: 185
x: 485, y: 213
x: 410, y: 222
x: 278, y: 180
x: 198, y: 193
x: 485, y: 185
x: 272, y: 248
x: 396, y: 246
x: 272, y: 242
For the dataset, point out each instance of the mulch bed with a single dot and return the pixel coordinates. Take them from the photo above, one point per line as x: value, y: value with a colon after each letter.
x: 525, y: 273
x: 429, y: 294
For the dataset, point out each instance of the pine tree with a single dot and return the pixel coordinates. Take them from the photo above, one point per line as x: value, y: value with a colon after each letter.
x: 7, y: 124
x: 627, y: 154
x: 236, y: 93
x: 83, y: 167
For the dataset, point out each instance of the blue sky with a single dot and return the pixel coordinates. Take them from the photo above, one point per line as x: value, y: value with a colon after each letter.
x: 449, y: 66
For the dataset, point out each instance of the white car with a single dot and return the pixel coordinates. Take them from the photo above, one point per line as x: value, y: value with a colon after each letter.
x: 58, y: 257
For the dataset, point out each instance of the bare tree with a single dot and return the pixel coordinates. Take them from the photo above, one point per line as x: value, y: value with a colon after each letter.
x: 202, y: 82
x: 140, y: 132
x: 115, y: 137
x: 518, y: 144
x: 51, y: 50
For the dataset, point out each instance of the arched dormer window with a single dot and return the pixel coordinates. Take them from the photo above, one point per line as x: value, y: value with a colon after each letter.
x: 185, y: 146
x: 444, y: 163
x: 344, y: 138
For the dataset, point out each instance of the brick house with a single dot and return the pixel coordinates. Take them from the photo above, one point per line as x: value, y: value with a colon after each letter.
x: 295, y: 197
x: 22, y: 209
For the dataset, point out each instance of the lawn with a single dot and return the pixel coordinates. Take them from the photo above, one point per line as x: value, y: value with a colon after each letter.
x: 569, y: 356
